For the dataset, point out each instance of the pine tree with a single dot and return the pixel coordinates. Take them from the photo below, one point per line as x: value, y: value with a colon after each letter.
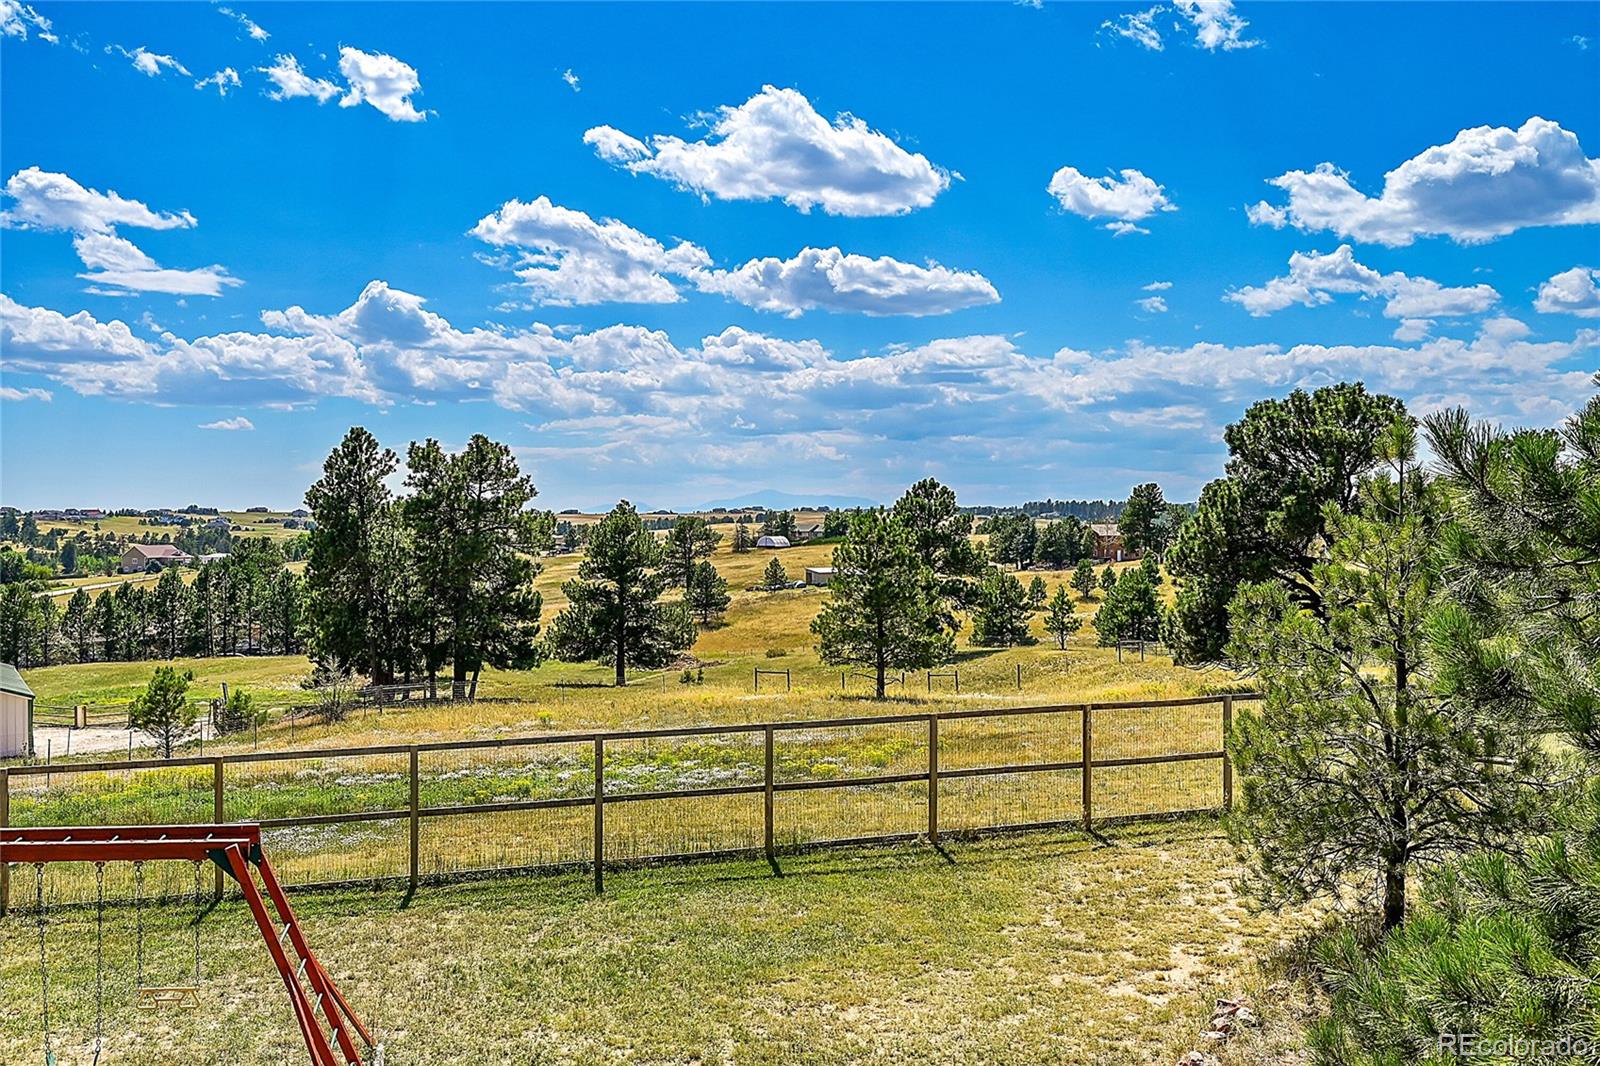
x: 170, y: 605
x: 1502, y: 943
x: 77, y: 626
x: 162, y: 711
x: 775, y: 576
x: 742, y: 541
x: 349, y: 563
x: 688, y: 542
x: 1083, y: 579
x: 1037, y: 591
x: 473, y: 547
x: 1108, y: 579
x: 1060, y: 619
x: 778, y: 524
x: 1004, y: 607
x: 942, y: 534
x: 1356, y: 764
x: 1130, y: 610
x: 614, y: 611
x: 708, y: 595
x: 882, y: 612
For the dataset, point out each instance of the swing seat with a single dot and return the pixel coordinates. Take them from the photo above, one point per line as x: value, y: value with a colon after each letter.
x: 156, y: 997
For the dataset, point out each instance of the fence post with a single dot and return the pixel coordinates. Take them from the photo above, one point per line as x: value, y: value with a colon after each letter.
x: 216, y: 815
x: 5, y: 820
x: 768, y: 804
x: 1227, y: 763
x: 599, y: 815
x: 1088, y: 767
x: 416, y: 816
x: 1019, y: 677
x: 933, y: 780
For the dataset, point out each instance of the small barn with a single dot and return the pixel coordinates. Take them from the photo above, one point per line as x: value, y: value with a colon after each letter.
x: 772, y: 542
x: 819, y: 575
x: 16, y: 714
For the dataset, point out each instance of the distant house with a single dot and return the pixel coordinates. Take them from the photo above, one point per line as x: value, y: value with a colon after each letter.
x: 299, y: 512
x: 219, y: 522
x: 1108, y: 543
x: 213, y: 557
x: 819, y: 575
x: 16, y: 714
x: 772, y: 542
x: 811, y: 532
x: 138, y: 557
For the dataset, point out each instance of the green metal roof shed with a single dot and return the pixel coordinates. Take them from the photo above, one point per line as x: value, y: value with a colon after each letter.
x: 16, y: 714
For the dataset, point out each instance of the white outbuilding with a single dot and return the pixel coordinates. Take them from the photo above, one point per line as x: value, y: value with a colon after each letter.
x: 16, y: 714
x: 772, y: 542
x: 819, y: 575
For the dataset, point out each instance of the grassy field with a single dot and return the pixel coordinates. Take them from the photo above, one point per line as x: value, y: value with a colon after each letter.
x: 1034, y: 948
x: 769, y: 630
x: 1024, y: 950
x: 252, y: 524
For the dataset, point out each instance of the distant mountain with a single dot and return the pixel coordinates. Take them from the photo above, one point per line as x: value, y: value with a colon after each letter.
x: 786, y: 501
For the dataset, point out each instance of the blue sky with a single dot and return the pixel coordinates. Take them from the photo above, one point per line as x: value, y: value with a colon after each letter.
x: 676, y: 253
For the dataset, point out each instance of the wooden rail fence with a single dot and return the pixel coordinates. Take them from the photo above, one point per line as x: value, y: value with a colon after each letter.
x: 599, y: 799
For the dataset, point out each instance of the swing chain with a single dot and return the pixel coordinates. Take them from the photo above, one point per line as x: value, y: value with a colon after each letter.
x: 99, y: 956
x: 44, y: 970
x: 138, y: 924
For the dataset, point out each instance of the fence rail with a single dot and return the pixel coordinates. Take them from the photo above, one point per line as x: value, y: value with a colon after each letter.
x: 443, y: 809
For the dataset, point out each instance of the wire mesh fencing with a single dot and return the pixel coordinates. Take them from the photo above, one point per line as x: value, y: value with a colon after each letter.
x: 437, y: 811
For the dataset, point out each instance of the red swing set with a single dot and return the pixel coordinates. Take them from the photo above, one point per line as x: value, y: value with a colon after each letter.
x: 327, y: 1023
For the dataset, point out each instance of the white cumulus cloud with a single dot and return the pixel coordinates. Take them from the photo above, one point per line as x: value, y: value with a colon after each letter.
x: 42, y: 200
x: 1487, y: 182
x: 1127, y: 200
x: 830, y: 280
x: 1314, y: 279
x: 639, y: 398
x: 233, y: 425
x: 1572, y: 292
x: 371, y: 77
x: 1216, y: 24
x: 1154, y: 305
x: 576, y: 259
x: 776, y: 146
x: 564, y: 256
x: 18, y: 395
x: 291, y: 81
x: 382, y: 81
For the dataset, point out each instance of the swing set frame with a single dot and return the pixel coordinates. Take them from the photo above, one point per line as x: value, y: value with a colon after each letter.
x: 236, y: 850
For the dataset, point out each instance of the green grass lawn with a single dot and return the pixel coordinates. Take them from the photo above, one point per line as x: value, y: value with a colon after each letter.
x: 1040, y: 948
